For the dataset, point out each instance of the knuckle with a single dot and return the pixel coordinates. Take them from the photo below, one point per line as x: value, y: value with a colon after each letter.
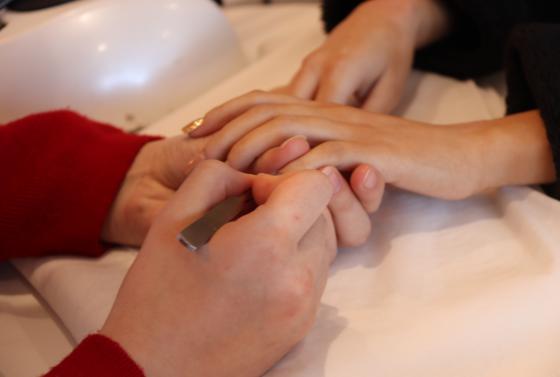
x: 256, y: 94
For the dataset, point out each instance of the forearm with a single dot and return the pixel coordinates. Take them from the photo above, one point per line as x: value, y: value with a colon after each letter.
x: 513, y: 150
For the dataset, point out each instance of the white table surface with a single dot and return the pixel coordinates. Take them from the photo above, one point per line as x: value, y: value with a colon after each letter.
x: 32, y: 339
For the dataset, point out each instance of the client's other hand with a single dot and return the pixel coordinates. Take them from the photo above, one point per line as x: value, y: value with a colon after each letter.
x: 443, y: 162
x: 366, y: 59
x: 237, y: 305
x: 156, y: 173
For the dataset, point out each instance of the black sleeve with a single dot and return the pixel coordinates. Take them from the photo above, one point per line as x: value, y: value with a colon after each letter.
x: 476, y: 44
x: 533, y: 78
x: 334, y: 11
x: 480, y: 30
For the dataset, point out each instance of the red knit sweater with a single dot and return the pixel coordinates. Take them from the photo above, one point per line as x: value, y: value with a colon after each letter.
x: 61, y: 172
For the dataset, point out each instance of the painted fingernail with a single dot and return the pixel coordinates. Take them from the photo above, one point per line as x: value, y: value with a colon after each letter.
x: 288, y: 141
x: 333, y: 176
x: 369, y: 179
x: 193, y: 125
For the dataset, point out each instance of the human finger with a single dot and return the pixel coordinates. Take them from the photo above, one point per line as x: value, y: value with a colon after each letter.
x: 344, y: 155
x: 208, y: 184
x: 338, y: 85
x: 305, y: 81
x: 246, y: 149
x: 294, y: 205
x: 351, y: 220
x: 316, y: 252
x: 368, y: 185
x: 386, y: 93
x: 276, y: 158
x: 221, y: 141
x: 218, y: 117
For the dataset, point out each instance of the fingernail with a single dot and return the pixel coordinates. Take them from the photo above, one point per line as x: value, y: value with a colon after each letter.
x: 189, y: 128
x: 369, y: 179
x: 333, y: 176
x: 297, y: 137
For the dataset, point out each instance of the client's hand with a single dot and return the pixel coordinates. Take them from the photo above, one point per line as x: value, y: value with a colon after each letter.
x: 237, y: 305
x: 366, y: 59
x: 157, y: 171
x: 443, y: 162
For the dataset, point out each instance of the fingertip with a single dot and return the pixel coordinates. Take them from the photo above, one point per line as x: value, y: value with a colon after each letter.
x: 351, y: 220
x: 369, y: 185
x: 295, y: 147
x: 363, y: 178
x: 334, y: 178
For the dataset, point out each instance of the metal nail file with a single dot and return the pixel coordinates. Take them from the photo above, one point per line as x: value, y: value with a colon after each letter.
x: 201, y: 231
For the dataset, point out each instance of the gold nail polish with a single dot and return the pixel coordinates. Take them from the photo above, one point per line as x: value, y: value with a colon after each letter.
x: 192, y: 126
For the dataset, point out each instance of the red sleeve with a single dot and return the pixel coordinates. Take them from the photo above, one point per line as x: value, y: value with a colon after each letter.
x: 61, y: 172
x: 97, y: 356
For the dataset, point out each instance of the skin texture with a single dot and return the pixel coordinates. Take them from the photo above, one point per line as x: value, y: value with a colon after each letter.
x: 366, y: 59
x: 450, y: 162
x: 161, y: 167
x: 257, y: 283
x: 156, y: 173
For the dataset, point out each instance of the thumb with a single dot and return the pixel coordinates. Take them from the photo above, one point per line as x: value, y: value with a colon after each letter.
x: 209, y: 183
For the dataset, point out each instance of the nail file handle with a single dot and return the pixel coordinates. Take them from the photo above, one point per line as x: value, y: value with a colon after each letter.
x: 201, y: 231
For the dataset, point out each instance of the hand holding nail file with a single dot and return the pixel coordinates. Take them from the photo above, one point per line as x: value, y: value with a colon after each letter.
x: 201, y: 231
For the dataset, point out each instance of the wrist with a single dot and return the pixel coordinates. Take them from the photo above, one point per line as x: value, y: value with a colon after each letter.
x: 513, y: 150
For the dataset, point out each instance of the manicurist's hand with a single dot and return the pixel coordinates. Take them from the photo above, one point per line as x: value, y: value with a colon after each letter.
x: 449, y: 162
x: 237, y: 305
x: 156, y: 173
x: 366, y: 59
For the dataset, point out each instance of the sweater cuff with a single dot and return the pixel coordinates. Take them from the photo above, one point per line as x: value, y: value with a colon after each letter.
x: 63, y: 172
x: 534, y: 82
x: 97, y: 356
